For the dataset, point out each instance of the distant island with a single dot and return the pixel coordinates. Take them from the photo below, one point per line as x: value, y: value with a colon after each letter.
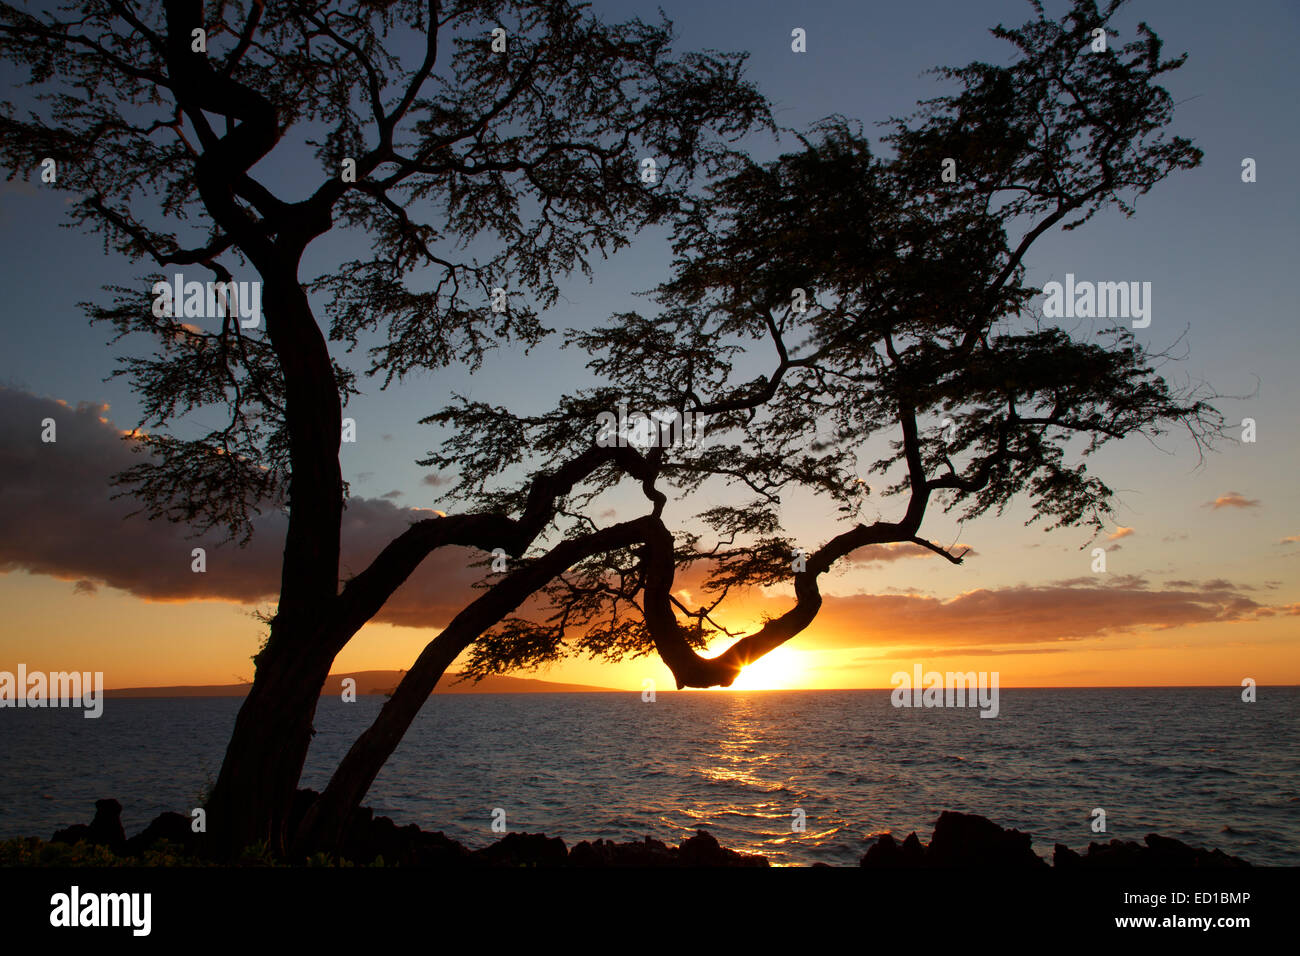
x: 373, y: 683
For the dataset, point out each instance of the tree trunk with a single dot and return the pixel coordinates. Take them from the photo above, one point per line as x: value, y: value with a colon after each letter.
x: 325, y: 825
x: 254, y: 792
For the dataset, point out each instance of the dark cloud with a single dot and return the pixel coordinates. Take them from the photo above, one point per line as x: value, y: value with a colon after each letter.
x: 436, y: 480
x: 392, y: 495
x: 1219, y: 584
x: 57, y: 517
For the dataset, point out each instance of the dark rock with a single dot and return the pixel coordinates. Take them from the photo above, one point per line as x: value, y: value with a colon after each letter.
x: 967, y: 839
x: 699, y: 850
x: 1158, y: 853
x: 368, y: 838
x: 73, y: 834
x: 175, y: 828
x: 888, y: 853
x: 1114, y: 853
x: 959, y: 840
x: 607, y: 853
x: 1064, y: 858
x: 524, y: 849
x: 400, y: 846
x: 104, y: 830
x: 436, y: 849
x: 913, y: 852
x: 1170, y: 852
x: 703, y: 850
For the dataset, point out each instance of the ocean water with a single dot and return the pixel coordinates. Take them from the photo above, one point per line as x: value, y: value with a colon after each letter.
x: 1197, y: 764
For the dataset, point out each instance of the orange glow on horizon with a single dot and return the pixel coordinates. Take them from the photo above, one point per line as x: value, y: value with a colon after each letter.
x: 140, y: 643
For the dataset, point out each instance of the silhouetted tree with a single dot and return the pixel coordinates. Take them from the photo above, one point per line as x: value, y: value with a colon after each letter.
x: 889, y: 297
x: 428, y: 130
x: 915, y: 308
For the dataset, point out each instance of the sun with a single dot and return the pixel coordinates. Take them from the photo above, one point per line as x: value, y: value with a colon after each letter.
x: 782, y: 669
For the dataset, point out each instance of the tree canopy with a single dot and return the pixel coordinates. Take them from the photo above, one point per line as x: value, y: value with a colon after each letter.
x: 889, y: 299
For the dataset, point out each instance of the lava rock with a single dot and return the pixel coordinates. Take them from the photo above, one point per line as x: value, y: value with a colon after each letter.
x: 104, y: 830
x: 890, y: 854
x: 400, y: 846
x: 175, y: 828
x: 524, y: 849
x: 970, y: 840
x: 1158, y: 853
x: 703, y: 850
x: 607, y: 853
x: 967, y: 839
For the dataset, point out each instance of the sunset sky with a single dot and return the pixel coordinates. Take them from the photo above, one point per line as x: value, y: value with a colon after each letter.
x: 1201, y: 584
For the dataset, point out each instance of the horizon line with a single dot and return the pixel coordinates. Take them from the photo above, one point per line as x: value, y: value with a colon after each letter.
x: 593, y: 689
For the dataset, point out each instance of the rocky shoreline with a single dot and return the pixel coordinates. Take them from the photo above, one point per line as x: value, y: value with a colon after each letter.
x: 959, y: 840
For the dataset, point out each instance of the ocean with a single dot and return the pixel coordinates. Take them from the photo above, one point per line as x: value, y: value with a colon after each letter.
x: 1197, y: 764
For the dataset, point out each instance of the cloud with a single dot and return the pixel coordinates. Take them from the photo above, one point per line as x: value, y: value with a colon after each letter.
x: 896, y: 653
x: 392, y: 495
x: 58, y: 518
x: 900, y: 550
x: 1119, y: 533
x: 1290, y: 539
x: 435, y: 480
x: 1232, y: 499
x: 1050, y: 614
